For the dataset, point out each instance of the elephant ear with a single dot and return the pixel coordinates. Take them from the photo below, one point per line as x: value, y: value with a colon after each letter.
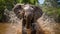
x: 17, y: 8
x: 37, y: 12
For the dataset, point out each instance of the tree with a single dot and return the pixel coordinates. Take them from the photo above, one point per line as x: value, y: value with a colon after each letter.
x: 9, y: 4
x: 5, y: 4
x: 33, y: 2
x: 51, y: 7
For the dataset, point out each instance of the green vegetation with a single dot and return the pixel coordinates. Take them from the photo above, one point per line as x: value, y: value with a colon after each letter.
x: 51, y: 7
x: 9, y: 4
x: 5, y: 4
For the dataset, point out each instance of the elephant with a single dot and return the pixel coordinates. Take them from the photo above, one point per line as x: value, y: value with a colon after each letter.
x: 29, y: 13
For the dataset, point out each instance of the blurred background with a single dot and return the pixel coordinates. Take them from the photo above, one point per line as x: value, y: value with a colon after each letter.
x: 51, y: 7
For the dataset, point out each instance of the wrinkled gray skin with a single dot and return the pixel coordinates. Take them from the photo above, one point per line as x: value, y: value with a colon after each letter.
x: 32, y: 15
x: 27, y: 10
x: 29, y: 13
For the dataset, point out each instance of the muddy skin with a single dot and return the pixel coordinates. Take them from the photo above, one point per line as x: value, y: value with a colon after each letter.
x: 29, y: 14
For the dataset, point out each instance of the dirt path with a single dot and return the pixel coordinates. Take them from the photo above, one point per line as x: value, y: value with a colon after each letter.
x: 8, y: 28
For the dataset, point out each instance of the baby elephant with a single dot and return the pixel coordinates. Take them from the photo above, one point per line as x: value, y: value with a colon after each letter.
x: 29, y: 14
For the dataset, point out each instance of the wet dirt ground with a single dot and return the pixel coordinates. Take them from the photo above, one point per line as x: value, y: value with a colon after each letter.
x: 8, y: 28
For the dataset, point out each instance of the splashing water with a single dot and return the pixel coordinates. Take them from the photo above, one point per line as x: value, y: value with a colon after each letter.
x: 48, y: 25
x: 15, y: 26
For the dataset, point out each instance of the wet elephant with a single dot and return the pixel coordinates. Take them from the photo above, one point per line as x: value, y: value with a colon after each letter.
x: 30, y: 14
